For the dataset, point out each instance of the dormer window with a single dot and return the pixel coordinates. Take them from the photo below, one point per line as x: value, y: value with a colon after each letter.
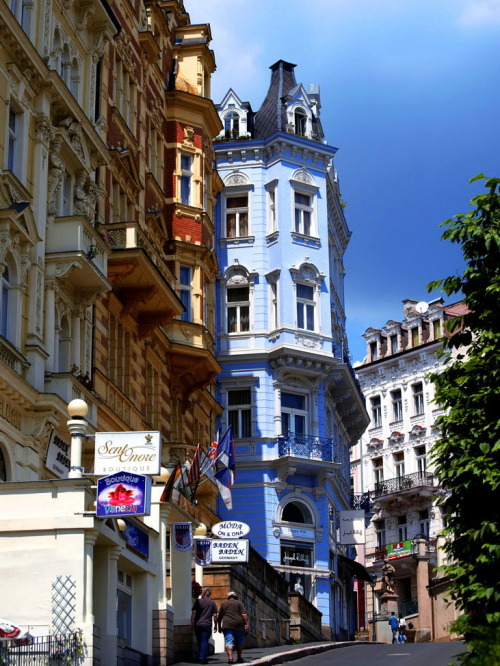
x: 300, y: 122
x: 436, y: 329
x: 232, y: 125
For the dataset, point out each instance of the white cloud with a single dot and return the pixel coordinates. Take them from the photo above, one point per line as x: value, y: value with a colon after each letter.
x: 480, y: 12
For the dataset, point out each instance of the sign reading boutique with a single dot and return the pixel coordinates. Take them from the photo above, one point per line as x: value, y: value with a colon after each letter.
x: 133, y: 452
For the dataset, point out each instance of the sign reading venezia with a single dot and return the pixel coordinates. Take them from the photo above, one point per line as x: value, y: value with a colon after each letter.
x: 135, y: 452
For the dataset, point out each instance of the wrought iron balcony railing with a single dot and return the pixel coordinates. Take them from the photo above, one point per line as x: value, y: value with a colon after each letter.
x: 362, y: 501
x: 402, y: 483
x: 306, y: 446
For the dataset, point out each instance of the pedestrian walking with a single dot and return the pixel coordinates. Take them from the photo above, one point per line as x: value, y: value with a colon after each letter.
x: 203, y: 612
x: 233, y: 621
x: 394, y: 624
x: 401, y: 629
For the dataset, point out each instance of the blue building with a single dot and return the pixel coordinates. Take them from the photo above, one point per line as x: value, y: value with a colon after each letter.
x: 286, y: 384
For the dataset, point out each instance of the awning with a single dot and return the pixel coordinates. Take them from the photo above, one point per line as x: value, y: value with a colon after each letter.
x: 355, y: 569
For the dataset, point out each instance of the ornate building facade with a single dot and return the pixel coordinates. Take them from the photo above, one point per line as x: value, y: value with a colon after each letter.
x: 107, y: 277
x: 392, y: 471
x: 286, y: 387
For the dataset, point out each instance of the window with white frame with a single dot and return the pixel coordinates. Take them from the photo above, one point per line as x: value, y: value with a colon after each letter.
x: 378, y: 470
x: 22, y: 10
x: 397, y: 405
x: 124, y: 606
x: 306, y: 306
x: 185, y: 279
x: 272, y: 224
x: 232, y: 125
x: 300, y: 122
x: 238, y: 308
x: 186, y: 178
x: 402, y: 528
x: 421, y: 459
x: 376, y: 407
x: 303, y: 213
x: 293, y: 413
x: 124, y: 92
x: 273, y: 302
x: 379, y: 526
x: 14, y: 142
x: 418, y: 398
x: 423, y: 522
x: 239, y: 411
x: 399, y: 464
x: 237, y: 215
x: 121, y: 207
x: 5, y: 302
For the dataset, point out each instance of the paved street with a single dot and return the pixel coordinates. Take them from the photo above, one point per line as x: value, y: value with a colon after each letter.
x: 348, y: 654
x: 415, y: 654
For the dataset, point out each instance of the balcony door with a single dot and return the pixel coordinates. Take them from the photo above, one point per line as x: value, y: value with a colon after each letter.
x: 293, y: 413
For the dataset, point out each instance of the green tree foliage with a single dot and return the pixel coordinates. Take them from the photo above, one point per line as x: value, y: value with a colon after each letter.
x: 467, y: 456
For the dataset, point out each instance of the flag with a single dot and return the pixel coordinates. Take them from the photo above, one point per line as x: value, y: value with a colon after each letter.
x: 183, y: 536
x: 225, y: 452
x: 194, y: 472
x: 212, y: 451
x: 224, y: 479
x: 225, y: 467
x: 202, y: 551
x: 175, y: 475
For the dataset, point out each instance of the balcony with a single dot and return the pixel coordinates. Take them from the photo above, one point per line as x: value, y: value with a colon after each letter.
x: 307, y: 446
x: 404, y: 484
x: 73, y: 243
x: 362, y: 501
x: 191, y: 356
x: 140, y: 278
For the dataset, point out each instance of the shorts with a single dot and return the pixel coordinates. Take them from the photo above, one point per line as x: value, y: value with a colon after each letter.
x: 233, y: 637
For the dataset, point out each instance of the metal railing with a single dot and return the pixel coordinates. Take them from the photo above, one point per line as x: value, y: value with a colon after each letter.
x: 362, y: 501
x: 401, y: 483
x: 306, y: 446
x: 44, y: 651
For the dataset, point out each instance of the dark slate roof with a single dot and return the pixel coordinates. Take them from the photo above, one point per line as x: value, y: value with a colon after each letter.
x: 271, y: 117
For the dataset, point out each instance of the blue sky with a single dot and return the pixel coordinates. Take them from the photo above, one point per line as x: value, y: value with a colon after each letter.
x: 411, y: 98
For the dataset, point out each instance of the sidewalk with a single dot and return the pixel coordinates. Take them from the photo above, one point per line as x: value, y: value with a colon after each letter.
x: 278, y: 654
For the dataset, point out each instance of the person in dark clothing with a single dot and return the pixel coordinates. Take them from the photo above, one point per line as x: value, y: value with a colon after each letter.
x: 233, y: 622
x: 203, y: 612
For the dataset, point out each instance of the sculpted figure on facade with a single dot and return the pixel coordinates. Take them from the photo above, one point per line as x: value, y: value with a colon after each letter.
x: 56, y: 173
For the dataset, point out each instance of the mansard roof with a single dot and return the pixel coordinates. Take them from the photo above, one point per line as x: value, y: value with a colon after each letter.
x: 272, y: 116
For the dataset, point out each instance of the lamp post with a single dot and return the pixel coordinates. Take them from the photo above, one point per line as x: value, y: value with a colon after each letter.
x: 374, y: 626
x: 77, y: 426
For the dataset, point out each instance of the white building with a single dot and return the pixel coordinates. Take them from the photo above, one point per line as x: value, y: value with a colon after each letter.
x: 391, y: 467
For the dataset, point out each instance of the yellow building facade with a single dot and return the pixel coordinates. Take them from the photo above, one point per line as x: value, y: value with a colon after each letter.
x: 107, y: 295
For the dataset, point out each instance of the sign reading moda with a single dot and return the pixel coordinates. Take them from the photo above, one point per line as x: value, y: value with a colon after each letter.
x: 133, y: 452
x: 123, y: 494
x: 230, y: 529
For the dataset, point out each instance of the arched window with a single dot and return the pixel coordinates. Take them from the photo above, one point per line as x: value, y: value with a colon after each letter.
x: 297, y: 512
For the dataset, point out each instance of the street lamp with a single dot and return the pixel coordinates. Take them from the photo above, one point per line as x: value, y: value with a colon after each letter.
x: 374, y: 626
x: 77, y: 426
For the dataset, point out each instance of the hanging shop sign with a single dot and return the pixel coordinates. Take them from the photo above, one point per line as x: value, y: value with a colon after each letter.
x: 296, y: 532
x: 123, y: 494
x: 183, y: 535
x: 133, y: 452
x: 230, y: 529
x: 57, y: 459
x: 229, y: 550
x: 352, y: 527
x: 202, y: 551
x: 136, y: 539
x: 401, y: 549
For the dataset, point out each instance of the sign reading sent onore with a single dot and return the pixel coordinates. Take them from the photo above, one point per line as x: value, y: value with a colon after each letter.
x: 134, y: 452
x: 230, y: 529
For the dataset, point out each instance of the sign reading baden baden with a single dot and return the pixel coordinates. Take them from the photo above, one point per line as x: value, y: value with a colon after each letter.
x: 133, y: 452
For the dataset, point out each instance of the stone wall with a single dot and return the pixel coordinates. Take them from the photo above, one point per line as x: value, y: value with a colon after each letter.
x: 266, y: 597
